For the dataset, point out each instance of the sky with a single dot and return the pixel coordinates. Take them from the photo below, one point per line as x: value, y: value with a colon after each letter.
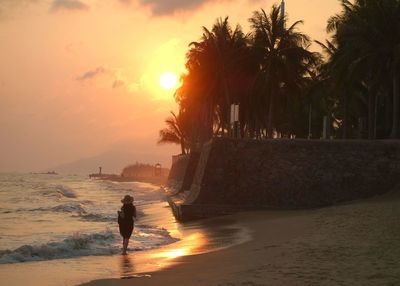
x: 81, y: 77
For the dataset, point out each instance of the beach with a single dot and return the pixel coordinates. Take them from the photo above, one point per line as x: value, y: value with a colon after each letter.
x: 348, y: 244
x: 215, y: 143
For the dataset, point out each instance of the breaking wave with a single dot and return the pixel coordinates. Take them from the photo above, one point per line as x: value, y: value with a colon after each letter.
x: 72, y: 207
x: 158, y: 236
x: 66, y: 191
x: 74, y: 246
x: 104, y: 217
x: 97, y: 217
x: 96, y: 244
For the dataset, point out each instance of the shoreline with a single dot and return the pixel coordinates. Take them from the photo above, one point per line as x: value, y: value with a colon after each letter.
x: 349, y: 244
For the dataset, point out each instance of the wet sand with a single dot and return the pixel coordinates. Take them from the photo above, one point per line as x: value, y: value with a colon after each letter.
x: 356, y: 243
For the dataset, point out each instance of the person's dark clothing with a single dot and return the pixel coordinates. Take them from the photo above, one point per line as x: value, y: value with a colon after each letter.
x: 126, y: 221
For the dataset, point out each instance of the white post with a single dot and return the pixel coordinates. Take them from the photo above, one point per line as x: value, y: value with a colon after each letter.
x: 236, y: 112
x: 234, y: 120
x: 232, y: 114
x: 236, y: 124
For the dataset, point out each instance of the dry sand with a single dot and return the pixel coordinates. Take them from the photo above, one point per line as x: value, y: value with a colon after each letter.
x: 351, y: 244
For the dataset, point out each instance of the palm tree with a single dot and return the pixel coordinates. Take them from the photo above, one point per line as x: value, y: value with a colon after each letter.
x: 175, y: 132
x: 213, y: 65
x: 283, y: 57
x: 367, y: 34
x: 340, y: 84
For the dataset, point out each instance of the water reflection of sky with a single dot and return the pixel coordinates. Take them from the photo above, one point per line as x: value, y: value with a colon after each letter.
x: 200, y: 237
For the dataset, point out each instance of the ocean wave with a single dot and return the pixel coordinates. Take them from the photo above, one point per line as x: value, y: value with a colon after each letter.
x: 95, y: 244
x: 72, y: 207
x: 140, y: 213
x: 96, y: 217
x: 66, y: 191
x: 157, y: 236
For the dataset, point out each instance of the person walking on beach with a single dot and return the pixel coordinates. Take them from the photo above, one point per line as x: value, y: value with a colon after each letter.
x: 125, y: 221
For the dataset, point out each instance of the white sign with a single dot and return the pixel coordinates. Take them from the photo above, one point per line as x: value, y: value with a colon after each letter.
x: 234, y: 113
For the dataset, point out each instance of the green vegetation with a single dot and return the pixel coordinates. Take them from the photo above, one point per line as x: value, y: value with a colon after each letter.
x: 140, y: 170
x: 283, y: 88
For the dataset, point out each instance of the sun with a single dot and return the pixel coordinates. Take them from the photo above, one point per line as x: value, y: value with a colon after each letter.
x: 168, y: 80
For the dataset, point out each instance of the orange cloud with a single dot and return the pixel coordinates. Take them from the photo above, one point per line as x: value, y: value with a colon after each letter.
x: 71, y: 5
x: 162, y: 7
x: 91, y: 74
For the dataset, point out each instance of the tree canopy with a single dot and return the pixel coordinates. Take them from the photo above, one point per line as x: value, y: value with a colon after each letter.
x: 283, y: 88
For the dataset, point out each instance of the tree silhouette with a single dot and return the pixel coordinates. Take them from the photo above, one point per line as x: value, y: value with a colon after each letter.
x: 284, y: 60
x: 174, y: 133
x: 367, y: 34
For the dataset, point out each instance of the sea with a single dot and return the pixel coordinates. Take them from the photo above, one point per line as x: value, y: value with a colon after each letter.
x: 62, y: 230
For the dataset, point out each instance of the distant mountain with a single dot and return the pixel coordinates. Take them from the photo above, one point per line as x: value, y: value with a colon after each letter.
x: 112, y: 162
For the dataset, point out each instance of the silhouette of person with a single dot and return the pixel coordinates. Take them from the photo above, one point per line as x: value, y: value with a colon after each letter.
x: 126, y: 221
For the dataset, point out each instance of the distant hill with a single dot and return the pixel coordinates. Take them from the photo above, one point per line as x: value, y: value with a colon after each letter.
x: 112, y: 162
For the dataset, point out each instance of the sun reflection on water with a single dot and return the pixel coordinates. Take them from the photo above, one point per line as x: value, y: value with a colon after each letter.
x: 176, y: 253
x: 192, y: 244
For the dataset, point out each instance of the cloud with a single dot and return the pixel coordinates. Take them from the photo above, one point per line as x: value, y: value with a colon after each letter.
x: 7, y: 7
x: 91, y: 74
x: 115, y: 76
x: 163, y: 7
x: 118, y: 83
x: 71, y: 5
x: 126, y: 2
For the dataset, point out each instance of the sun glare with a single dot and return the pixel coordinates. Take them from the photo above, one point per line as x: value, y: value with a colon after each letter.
x: 168, y: 80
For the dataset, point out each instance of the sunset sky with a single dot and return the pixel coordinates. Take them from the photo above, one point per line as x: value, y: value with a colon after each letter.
x: 81, y: 77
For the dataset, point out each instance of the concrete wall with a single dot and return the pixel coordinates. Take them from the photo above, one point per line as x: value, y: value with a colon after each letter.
x: 177, y: 172
x: 190, y: 171
x: 293, y: 173
x: 182, y: 172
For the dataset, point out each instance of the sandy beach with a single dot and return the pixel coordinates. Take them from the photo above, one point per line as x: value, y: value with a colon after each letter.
x: 350, y: 244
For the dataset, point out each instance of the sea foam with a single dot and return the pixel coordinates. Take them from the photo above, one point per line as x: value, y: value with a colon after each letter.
x: 95, y: 244
x: 74, y: 246
x: 71, y: 207
x: 66, y: 191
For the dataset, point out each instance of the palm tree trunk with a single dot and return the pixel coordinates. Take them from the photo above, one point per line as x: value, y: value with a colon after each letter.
x: 217, y: 131
x: 270, y: 115
x: 371, y: 114
x: 345, y: 116
x: 228, y: 100
x: 183, y: 146
x: 376, y: 114
x: 388, y: 113
x: 396, y: 106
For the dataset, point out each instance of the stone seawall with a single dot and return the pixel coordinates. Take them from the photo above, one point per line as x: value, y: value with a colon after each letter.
x: 182, y: 172
x: 289, y: 174
x: 177, y: 173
